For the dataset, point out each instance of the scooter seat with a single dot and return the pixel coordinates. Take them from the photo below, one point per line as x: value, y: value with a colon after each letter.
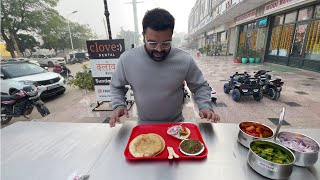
x: 6, y: 98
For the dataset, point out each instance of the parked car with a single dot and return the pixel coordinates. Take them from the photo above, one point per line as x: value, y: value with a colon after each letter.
x: 16, y: 75
x: 21, y: 59
x: 78, y: 57
x: 48, y: 60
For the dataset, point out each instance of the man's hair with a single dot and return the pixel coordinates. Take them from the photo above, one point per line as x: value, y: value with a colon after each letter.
x: 158, y: 19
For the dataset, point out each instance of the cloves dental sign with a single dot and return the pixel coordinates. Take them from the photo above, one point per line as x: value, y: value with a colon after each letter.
x: 105, y: 49
x: 104, y: 55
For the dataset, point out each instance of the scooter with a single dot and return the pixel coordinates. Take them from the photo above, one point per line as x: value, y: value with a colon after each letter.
x: 21, y: 103
x: 213, y: 94
x: 63, y: 71
x: 272, y: 87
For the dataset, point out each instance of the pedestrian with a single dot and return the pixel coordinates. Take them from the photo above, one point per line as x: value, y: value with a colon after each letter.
x: 155, y: 72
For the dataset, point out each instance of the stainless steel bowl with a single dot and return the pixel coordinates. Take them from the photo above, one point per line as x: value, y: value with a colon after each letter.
x: 245, y: 139
x: 267, y: 168
x: 303, y: 159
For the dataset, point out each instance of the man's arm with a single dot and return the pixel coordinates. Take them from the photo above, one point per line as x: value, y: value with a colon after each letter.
x: 199, y: 87
x: 117, y: 86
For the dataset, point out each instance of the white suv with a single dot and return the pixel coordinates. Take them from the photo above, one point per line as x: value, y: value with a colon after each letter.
x: 16, y: 75
x: 48, y: 60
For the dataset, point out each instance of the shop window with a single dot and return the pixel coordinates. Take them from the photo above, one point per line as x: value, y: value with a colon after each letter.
x: 317, y: 12
x: 249, y: 27
x: 245, y: 28
x: 305, y: 14
x: 313, y: 43
x: 253, y: 39
x: 278, y: 20
x: 242, y: 39
x: 290, y: 17
x: 274, y: 43
x: 298, y: 40
x: 286, y: 39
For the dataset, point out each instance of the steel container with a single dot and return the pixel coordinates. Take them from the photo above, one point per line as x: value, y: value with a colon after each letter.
x: 303, y: 159
x: 267, y: 168
x: 245, y: 139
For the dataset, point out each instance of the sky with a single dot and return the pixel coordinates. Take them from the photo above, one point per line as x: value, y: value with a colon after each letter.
x: 91, y: 12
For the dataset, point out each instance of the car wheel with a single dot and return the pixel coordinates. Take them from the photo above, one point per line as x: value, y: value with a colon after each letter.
x: 4, y: 119
x: 273, y: 93
x: 214, y: 100
x: 50, y: 64
x: 258, y: 96
x: 226, y: 88
x: 236, y: 95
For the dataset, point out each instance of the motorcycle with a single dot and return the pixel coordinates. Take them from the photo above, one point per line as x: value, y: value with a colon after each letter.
x: 272, y: 87
x: 21, y: 103
x: 63, y: 71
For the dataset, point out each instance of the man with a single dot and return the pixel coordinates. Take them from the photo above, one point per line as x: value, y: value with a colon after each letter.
x: 156, y: 72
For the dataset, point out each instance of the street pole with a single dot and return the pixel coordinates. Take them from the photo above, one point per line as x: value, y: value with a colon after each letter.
x: 74, y: 55
x: 135, y: 19
x: 107, y: 14
x: 105, y: 27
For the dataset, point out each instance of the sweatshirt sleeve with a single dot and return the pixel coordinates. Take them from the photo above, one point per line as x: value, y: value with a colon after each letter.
x: 199, y: 86
x: 117, y: 87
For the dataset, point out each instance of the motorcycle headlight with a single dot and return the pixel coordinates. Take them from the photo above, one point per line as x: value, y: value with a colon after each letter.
x: 244, y: 90
x: 31, y: 90
x: 32, y: 93
x: 255, y: 90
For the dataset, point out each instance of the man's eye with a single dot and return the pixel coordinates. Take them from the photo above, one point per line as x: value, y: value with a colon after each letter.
x: 153, y: 43
x: 166, y: 44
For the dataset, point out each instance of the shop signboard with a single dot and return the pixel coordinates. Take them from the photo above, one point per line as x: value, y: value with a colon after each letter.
x: 263, y: 22
x: 279, y: 4
x: 247, y: 16
x: 104, y: 55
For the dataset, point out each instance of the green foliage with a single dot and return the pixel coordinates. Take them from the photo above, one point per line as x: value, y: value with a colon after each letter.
x: 40, y: 18
x: 26, y: 41
x: 240, y: 53
x: 83, y: 79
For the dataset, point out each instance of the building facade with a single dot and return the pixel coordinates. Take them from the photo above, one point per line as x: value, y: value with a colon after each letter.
x: 286, y: 32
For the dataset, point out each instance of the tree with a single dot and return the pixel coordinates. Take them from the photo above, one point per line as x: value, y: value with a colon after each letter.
x: 55, y: 34
x: 26, y: 42
x: 27, y: 15
x: 128, y: 37
x: 80, y: 33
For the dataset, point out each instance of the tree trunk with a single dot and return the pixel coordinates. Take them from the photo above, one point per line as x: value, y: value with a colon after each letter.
x: 15, y: 44
x: 8, y: 43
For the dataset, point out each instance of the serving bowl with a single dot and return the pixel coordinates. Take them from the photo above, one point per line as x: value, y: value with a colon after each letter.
x: 245, y: 138
x: 274, y: 164
x: 189, y: 153
x: 304, y: 148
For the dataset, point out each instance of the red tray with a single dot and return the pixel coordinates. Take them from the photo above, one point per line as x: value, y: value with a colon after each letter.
x: 161, y: 129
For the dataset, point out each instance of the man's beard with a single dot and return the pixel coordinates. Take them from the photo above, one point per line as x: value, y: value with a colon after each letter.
x: 156, y: 55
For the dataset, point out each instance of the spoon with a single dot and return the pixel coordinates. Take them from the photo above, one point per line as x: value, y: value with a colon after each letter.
x: 281, y: 118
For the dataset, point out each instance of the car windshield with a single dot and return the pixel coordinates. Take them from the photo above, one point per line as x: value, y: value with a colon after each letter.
x: 21, y: 69
x: 51, y: 55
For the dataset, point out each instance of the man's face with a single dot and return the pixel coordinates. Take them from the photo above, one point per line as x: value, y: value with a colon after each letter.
x: 157, y: 43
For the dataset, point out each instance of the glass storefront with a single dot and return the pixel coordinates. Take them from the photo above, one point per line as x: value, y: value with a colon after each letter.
x: 253, y: 35
x: 296, y: 34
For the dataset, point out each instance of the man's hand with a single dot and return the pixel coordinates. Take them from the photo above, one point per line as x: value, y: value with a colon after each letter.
x: 209, y: 115
x: 117, y: 113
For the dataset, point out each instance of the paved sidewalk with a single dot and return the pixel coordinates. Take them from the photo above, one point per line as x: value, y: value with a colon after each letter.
x: 300, y: 96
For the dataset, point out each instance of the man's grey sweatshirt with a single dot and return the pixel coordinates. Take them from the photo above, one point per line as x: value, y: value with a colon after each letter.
x: 157, y: 85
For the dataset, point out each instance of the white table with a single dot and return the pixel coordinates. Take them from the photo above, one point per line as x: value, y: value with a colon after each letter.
x: 51, y: 151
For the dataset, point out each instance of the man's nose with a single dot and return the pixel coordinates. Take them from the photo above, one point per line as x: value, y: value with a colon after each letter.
x: 159, y: 48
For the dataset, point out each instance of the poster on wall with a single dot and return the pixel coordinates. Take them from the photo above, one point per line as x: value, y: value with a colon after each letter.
x: 104, y: 55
